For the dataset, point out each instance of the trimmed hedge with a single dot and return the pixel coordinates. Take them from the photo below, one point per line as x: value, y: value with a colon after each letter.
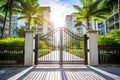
x: 12, y: 42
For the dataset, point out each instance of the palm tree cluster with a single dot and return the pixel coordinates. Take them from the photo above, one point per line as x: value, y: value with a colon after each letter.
x: 93, y: 10
x: 29, y: 10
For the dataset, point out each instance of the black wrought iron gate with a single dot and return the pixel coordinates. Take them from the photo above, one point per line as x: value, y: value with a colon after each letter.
x: 59, y: 46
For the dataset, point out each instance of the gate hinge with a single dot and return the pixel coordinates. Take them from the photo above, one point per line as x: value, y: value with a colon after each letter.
x: 34, y: 50
x: 87, y: 38
x: 34, y: 37
x: 88, y: 50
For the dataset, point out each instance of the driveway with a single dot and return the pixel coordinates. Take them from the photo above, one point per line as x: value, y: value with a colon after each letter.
x: 57, y: 72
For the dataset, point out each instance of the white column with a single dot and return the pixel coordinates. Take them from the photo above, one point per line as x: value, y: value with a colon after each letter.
x: 92, y: 47
x: 29, y: 46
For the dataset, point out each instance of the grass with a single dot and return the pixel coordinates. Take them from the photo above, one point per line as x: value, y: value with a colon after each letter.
x: 76, y: 52
x: 42, y: 52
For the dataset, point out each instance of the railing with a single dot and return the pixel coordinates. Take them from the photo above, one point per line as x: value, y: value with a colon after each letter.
x: 109, y: 54
x: 11, y: 55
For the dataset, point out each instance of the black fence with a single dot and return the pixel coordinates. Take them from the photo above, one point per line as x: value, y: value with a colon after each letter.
x: 109, y: 54
x: 11, y: 55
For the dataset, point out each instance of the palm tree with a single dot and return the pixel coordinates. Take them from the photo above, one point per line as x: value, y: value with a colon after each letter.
x: 10, y: 17
x: 7, y: 7
x: 119, y: 12
x: 4, y: 10
x: 30, y: 11
x: 91, y: 10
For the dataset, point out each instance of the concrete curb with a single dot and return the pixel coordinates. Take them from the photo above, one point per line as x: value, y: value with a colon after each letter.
x: 105, y: 73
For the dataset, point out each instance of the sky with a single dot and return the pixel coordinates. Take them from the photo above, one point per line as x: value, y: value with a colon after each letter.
x: 59, y: 9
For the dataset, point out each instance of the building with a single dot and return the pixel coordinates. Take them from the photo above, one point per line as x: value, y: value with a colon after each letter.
x: 1, y: 25
x: 113, y: 21
x: 101, y: 27
x: 42, y: 29
x: 69, y: 24
x: 47, y: 26
x: 14, y: 24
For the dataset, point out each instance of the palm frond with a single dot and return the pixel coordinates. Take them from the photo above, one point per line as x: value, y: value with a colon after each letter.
x: 22, y: 18
x: 77, y: 7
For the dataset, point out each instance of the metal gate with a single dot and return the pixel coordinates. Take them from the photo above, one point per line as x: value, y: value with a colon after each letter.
x: 59, y: 46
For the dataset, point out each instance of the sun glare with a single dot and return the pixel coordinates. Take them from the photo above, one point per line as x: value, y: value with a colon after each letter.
x: 57, y: 19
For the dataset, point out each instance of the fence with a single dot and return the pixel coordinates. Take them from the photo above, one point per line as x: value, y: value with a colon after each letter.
x: 11, y: 55
x: 109, y: 54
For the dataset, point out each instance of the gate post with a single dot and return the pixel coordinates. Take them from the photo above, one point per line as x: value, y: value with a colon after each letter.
x: 29, y: 46
x: 36, y: 49
x: 85, y: 49
x: 92, y: 48
x: 61, y: 46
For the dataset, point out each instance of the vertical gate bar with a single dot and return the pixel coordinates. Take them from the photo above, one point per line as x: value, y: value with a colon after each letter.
x: 36, y: 49
x: 61, y: 46
x: 85, y: 48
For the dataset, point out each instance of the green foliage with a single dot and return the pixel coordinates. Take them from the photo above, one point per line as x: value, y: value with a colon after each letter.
x: 74, y: 43
x: 30, y: 10
x: 42, y: 45
x: 91, y: 10
x: 112, y: 38
x: 75, y: 46
x: 45, y: 44
x: 20, y: 31
x: 45, y: 47
x: 12, y: 42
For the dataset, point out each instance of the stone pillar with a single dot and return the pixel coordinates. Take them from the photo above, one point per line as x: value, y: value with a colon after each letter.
x: 29, y: 46
x: 92, y: 47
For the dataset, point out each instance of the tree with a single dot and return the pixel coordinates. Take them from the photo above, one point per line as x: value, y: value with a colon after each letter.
x: 10, y: 17
x: 30, y: 11
x: 91, y: 10
x: 7, y: 7
x: 4, y: 10
x: 119, y: 12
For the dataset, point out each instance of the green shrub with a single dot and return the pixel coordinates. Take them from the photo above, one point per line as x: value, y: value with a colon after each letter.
x: 12, y: 42
x: 113, y: 38
x: 42, y: 45
x: 106, y: 40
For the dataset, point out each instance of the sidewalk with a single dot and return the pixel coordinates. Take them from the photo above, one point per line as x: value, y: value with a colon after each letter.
x: 57, y: 72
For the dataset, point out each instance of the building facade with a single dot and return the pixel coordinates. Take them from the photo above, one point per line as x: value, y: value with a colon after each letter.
x: 47, y: 26
x: 101, y: 27
x: 113, y: 21
x: 69, y: 24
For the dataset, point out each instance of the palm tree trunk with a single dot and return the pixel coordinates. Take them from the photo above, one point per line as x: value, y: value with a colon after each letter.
x: 119, y: 12
x: 87, y: 21
x: 29, y: 19
x: 3, y: 30
x: 10, y: 21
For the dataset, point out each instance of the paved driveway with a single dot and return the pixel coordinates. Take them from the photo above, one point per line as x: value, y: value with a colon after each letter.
x: 57, y: 72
